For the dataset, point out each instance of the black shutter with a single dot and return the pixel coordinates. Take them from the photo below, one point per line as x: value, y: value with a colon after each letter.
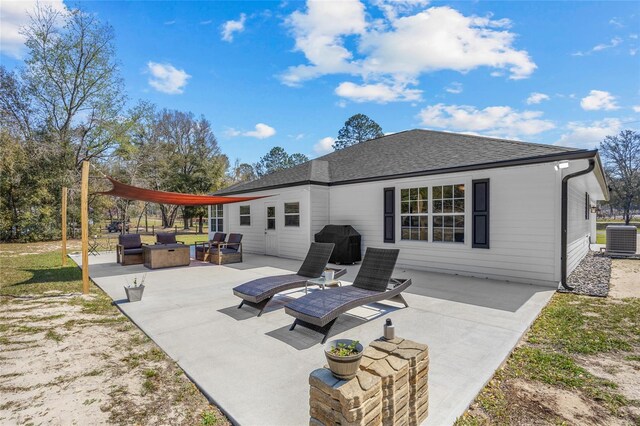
x: 587, y: 205
x: 480, y: 222
x: 389, y: 215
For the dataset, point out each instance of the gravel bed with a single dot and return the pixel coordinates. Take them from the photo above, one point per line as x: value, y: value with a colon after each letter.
x: 591, y: 277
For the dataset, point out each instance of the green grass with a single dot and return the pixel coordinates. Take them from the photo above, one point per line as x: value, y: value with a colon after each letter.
x: 208, y: 418
x: 568, y: 329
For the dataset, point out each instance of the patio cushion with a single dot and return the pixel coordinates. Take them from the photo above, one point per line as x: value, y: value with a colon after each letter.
x: 165, y: 238
x: 263, y: 288
x: 129, y: 241
x: 233, y: 242
x: 218, y: 237
x: 229, y: 250
x: 133, y: 250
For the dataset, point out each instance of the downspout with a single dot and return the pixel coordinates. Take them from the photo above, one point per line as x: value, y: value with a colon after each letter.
x: 564, y: 221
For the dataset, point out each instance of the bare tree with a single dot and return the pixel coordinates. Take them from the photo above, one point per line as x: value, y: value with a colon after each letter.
x: 621, y: 155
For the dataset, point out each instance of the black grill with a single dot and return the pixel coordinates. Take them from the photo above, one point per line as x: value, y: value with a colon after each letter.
x: 347, y: 241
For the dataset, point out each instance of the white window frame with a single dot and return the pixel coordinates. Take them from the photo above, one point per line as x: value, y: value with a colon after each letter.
x: 419, y: 214
x: 284, y: 209
x: 453, y: 213
x: 217, y: 213
x: 247, y: 215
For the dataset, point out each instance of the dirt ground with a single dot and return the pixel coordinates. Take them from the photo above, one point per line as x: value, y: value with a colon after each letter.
x: 68, y: 358
x: 625, y: 278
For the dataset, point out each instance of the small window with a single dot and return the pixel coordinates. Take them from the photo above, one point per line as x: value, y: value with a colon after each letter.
x: 587, y: 205
x: 216, y: 218
x: 448, y: 213
x: 291, y: 214
x: 245, y: 215
x: 414, y: 213
x: 271, y: 217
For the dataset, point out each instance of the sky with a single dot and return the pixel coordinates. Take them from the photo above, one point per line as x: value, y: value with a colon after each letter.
x: 290, y: 73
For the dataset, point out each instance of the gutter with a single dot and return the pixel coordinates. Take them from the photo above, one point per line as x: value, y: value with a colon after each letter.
x: 564, y: 221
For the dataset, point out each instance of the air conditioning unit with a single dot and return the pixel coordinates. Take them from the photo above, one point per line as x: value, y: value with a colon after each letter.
x: 622, y: 239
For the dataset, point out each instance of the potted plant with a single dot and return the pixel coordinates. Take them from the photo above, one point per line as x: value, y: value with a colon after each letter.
x: 135, y: 289
x: 344, y: 356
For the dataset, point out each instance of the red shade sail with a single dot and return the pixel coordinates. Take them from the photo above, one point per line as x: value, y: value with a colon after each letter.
x: 129, y: 192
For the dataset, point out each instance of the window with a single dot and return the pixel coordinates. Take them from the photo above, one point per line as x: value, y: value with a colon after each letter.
x: 216, y: 218
x: 448, y: 213
x: 414, y: 213
x: 587, y: 205
x: 271, y: 217
x: 245, y: 215
x: 291, y: 214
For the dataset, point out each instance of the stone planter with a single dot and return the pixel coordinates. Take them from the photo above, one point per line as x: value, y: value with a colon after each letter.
x: 343, y: 367
x: 134, y: 294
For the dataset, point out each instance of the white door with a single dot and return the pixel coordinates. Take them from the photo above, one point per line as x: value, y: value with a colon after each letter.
x: 270, y: 230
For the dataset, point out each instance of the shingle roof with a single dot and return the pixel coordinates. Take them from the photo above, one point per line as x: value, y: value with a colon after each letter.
x: 412, y: 151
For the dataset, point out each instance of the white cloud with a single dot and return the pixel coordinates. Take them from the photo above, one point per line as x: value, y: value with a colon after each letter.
x: 536, y: 98
x: 589, y: 135
x: 615, y: 22
x: 339, y: 38
x: 262, y: 131
x: 324, y: 146
x: 207, y: 22
x: 379, y: 92
x: 454, y: 88
x: 170, y: 22
x: 166, y: 78
x: 502, y: 121
x: 231, y: 27
x: 600, y: 47
x: 636, y: 108
x: 14, y: 16
x: 599, y: 100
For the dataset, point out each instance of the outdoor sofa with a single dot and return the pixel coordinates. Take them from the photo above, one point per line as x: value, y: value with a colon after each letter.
x: 203, y: 247
x: 129, y: 249
x: 258, y: 293
x: 229, y: 252
x: 320, y: 310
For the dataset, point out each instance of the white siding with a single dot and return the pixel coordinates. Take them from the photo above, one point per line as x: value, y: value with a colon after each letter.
x: 524, y: 224
x: 578, y: 228
x: 319, y: 208
x: 293, y: 242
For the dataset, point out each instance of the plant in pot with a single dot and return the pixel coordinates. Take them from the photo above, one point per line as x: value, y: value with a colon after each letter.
x: 344, y: 356
x: 135, y: 289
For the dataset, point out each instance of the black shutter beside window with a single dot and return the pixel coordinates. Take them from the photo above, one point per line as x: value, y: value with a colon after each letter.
x: 480, y: 222
x: 389, y: 215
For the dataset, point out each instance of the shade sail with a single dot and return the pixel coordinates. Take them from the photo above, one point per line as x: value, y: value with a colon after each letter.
x: 129, y: 192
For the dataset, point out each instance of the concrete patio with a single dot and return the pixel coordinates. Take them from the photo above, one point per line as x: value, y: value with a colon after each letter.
x: 256, y: 370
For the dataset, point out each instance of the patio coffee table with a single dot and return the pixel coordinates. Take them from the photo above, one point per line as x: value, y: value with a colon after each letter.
x: 165, y: 255
x: 322, y: 282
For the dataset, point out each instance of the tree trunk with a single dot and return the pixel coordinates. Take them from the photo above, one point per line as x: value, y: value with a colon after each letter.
x: 200, y: 224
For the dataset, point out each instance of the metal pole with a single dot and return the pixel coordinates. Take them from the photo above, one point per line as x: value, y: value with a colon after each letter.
x: 84, y: 216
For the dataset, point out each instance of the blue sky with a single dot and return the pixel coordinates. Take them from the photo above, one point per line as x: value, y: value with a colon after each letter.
x: 290, y: 73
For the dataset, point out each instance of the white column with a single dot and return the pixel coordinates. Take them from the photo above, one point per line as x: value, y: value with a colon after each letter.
x: 209, y: 222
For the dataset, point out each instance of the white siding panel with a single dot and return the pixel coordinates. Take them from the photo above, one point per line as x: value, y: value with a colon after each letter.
x: 578, y: 228
x: 293, y: 242
x: 319, y: 208
x: 524, y: 221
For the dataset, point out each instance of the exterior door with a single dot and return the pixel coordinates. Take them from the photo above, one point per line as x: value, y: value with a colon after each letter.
x: 270, y: 230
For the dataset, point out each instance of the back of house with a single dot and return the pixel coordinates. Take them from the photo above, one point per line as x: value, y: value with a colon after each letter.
x: 451, y: 203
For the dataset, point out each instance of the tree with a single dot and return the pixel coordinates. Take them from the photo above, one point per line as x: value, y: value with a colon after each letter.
x: 73, y: 79
x: 278, y: 159
x: 241, y: 172
x: 356, y: 129
x: 621, y: 155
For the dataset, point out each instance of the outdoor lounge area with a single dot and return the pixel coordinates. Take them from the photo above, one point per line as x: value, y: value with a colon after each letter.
x: 238, y: 358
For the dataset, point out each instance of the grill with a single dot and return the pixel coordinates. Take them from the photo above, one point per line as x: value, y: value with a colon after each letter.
x: 621, y: 239
x: 347, y: 241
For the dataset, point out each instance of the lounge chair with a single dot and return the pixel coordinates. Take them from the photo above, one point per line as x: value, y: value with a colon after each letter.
x: 129, y: 249
x: 320, y: 310
x: 203, y: 247
x: 258, y: 293
x: 229, y: 252
x: 166, y: 238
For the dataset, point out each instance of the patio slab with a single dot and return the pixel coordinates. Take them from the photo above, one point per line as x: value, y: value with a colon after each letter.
x: 256, y: 370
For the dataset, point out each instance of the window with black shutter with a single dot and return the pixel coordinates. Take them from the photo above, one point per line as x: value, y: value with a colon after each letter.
x: 480, y: 213
x: 389, y: 215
